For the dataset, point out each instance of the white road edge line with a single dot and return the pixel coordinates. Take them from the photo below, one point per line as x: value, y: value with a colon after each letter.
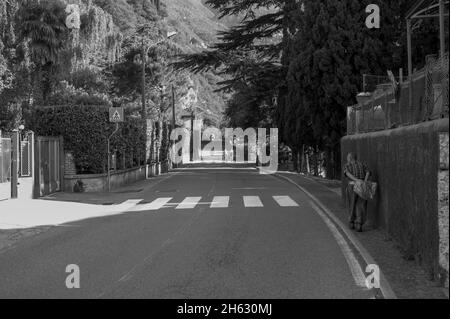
x: 385, y: 287
x: 355, y: 268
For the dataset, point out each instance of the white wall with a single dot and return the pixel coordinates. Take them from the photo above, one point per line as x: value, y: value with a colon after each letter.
x: 5, y: 191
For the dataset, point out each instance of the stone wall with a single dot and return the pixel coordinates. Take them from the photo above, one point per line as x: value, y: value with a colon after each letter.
x: 406, y: 164
x: 443, y: 206
x: 99, y: 182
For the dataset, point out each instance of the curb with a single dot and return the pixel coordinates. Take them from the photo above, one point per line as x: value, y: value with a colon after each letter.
x: 385, y: 287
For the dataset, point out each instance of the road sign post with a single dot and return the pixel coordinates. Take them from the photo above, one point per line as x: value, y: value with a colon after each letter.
x: 116, y: 115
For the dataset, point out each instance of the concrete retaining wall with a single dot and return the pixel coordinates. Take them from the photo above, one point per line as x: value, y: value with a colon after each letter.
x: 406, y: 164
x: 99, y: 182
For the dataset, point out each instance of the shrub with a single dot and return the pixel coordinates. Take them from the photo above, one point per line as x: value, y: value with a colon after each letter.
x: 65, y: 93
x: 85, y: 130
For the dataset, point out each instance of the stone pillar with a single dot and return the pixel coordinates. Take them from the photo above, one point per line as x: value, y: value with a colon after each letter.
x: 14, y: 164
x: 69, y: 164
x: 443, y: 205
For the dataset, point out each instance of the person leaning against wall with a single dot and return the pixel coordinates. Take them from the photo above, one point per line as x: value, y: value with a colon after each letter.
x: 356, y: 172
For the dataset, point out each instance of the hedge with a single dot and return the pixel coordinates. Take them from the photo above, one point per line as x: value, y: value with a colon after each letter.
x: 85, y: 130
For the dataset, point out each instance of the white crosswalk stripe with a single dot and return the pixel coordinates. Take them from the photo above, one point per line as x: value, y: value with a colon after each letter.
x: 285, y: 201
x: 220, y: 202
x: 189, y: 203
x: 193, y: 202
x: 252, y: 201
x: 155, y: 205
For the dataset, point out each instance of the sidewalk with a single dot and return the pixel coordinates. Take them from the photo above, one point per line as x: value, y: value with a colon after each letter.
x: 25, y: 218
x: 407, y: 279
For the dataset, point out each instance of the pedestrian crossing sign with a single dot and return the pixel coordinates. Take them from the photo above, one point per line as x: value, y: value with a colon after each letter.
x: 116, y: 114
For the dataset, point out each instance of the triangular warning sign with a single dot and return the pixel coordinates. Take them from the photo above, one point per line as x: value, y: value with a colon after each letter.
x: 116, y: 116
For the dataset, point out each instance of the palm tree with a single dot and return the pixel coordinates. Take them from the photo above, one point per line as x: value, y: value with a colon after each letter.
x: 42, y: 26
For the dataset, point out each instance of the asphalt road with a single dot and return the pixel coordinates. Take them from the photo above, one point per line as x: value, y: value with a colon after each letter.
x: 198, y: 234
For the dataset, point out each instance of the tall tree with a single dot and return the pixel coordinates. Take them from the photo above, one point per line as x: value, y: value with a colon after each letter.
x: 328, y: 54
x: 248, y: 54
x: 42, y: 25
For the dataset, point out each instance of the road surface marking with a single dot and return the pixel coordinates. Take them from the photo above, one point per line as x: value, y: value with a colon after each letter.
x: 355, y: 268
x: 192, y: 202
x: 189, y: 203
x: 129, y: 203
x: 385, y: 288
x: 251, y: 188
x: 155, y: 205
x: 285, y: 201
x: 220, y: 202
x: 216, y: 169
x: 252, y: 201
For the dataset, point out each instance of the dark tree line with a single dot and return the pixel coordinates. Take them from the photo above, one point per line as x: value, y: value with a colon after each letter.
x: 299, y: 64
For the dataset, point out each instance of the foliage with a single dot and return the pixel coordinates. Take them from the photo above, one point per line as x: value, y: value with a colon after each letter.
x: 42, y: 27
x: 65, y: 93
x: 327, y: 57
x: 299, y: 64
x: 247, y: 56
x: 98, y: 41
x: 8, y: 117
x: 90, y: 150
x: 43, y: 23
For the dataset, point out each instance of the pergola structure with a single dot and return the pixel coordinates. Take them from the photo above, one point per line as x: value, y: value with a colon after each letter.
x: 425, y: 9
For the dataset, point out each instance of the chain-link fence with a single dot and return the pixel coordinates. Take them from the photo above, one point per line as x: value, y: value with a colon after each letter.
x: 436, y: 85
x: 426, y: 98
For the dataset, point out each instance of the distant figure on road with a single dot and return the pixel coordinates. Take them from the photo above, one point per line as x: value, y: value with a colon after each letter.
x: 356, y: 172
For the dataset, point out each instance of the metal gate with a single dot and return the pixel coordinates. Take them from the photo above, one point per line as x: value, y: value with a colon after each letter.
x: 49, y: 165
x: 5, y: 160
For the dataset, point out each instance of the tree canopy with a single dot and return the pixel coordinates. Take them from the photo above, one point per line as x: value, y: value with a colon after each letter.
x: 299, y: 64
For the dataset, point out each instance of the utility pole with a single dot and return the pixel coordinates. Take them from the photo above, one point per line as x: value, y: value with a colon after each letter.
x: 442, y: 27
x: 410, y: 66
x: 192, y: 135
x: 143, y: 56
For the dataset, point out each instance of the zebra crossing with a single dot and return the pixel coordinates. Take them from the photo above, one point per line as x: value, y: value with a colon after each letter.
x: 217, y: 202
